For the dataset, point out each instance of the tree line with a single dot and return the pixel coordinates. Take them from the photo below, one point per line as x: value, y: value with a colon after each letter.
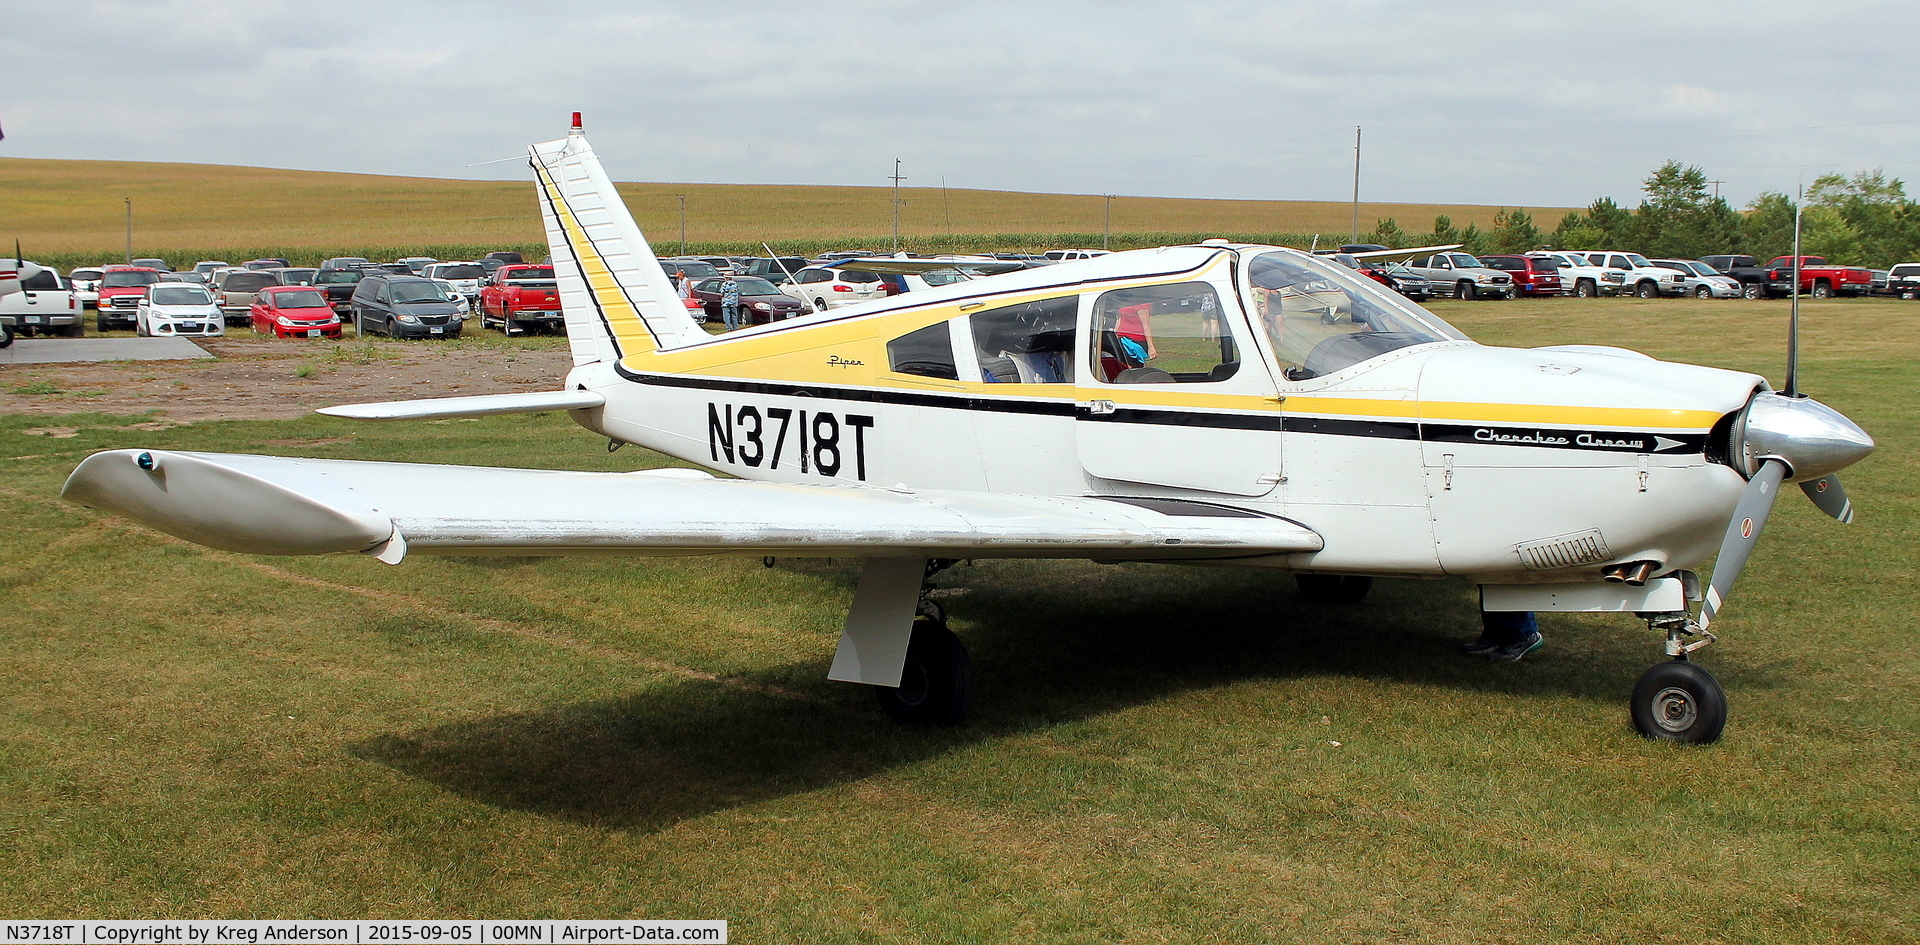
x: 1863, y: 220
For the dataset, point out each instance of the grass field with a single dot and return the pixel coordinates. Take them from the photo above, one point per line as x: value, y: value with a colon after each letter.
x: 1159, y: 754
x: 70, y: 213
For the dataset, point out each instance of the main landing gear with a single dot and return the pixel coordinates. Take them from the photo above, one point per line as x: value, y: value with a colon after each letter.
x: 1677, y: 701
x: 936, y: 682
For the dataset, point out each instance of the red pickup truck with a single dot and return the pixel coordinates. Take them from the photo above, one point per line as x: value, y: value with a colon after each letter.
x: 518, y: 296
x: 1817, y: 278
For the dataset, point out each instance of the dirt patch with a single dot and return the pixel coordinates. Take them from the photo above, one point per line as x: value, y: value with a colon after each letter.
x: 278, y: 380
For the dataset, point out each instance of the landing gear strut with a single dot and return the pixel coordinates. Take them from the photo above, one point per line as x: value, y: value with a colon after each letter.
x: 936, y: 683
x: 1677, y: 701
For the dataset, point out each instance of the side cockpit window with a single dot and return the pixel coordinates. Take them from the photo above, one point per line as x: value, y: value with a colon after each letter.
x: 1163, y: 334
x: 1027, y: 343
x: 927, y: 352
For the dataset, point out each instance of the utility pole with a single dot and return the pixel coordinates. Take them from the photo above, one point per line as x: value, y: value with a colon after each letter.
x: 683, y: 223
x: 1716, y: 188
x: 896, y: 205
x: 129, y: 231
x: 1106, y: 225
x: 1356, y: 185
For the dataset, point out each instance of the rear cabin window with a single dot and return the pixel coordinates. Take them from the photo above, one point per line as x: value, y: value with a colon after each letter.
x: 926, y: 353
x: 1163, y: 334
x: 1028, y: 343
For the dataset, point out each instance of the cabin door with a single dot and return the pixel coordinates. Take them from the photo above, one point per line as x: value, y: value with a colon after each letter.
x: 1171, y: 393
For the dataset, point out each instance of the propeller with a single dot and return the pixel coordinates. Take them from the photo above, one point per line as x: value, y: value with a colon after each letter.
x: 1784, y: 435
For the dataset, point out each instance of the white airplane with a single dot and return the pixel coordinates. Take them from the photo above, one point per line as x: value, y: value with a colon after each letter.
x: 1216, y: 404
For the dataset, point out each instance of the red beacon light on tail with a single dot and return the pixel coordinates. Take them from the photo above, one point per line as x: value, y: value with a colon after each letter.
x: 576, y: 122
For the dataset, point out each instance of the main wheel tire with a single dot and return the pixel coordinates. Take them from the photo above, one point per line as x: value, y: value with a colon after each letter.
x: 1332, y: 588
x: 936, y: 684
x: 1584, y: 289
x: 1822, y: 290
x: 1753, y: 290
x: 1702, y: 292
x: 100, y: 323
x: 6, y: 337
x: 1677, y: 701
x: 1463, y: 291
x: 1647, y: 290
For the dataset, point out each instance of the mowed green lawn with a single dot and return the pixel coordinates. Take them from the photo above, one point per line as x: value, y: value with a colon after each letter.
x: 1159, y: 754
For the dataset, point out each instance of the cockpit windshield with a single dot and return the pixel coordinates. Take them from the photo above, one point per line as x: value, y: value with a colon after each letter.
x: 1322, y: 317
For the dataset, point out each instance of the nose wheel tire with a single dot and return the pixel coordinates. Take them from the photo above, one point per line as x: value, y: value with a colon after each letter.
x: 1677, y: 701
x: 936, y: 685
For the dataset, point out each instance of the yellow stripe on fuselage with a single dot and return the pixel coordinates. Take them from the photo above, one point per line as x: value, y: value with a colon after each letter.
x: 629, y: 329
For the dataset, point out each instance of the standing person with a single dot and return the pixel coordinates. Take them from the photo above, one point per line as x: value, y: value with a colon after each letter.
x: 1506, y: 635
x: 730, y: 302
x: 686, y: 284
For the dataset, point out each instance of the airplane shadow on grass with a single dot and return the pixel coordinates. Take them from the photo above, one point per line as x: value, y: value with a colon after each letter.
x: 1088, y: 643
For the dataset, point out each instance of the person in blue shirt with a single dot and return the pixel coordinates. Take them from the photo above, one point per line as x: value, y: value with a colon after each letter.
x: 730, y: 302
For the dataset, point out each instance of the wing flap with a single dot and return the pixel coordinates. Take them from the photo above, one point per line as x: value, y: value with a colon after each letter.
x: 275, y: 505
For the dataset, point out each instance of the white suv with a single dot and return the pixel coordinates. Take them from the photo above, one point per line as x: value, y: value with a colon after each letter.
x: 1582, y: 279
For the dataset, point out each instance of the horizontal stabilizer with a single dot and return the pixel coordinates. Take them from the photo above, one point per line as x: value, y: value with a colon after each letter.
x: 285, y: 506
x: 485, y: 405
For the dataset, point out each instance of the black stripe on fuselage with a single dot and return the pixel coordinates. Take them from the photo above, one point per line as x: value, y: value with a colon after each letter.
x: 1611, y: 441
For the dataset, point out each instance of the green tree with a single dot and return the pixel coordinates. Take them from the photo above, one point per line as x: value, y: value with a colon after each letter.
x: 1768, y: 231
x: 1387, y: 233
x: 1614, y: 223
x: 1513, y: 232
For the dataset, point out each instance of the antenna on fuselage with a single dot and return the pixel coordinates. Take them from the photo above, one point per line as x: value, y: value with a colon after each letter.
x: 1793, y: 321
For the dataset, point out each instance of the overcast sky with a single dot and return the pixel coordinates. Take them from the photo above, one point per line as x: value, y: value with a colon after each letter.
x: 1543, y: 104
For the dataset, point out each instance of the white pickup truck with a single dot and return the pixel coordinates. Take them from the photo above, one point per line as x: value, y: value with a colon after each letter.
x: 43, y: 304
x: 1639, y: 275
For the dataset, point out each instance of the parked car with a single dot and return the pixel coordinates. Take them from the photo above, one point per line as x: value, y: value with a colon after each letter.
x: 1881, y: 277
x: 1903, y: 280
x: 1702, y: 281
x: 774, y: 270
x: 186, y: 276
x: 178, y: 308
x: 416, y: 264
x: 339, y: 284
x: 1582, y: 279
x: 151, y: 263
x: 44, y: 305
x: 761, y: 301
x: 1639, y: 275
x: 696, y: 269
x: 460, y: 303
x: 520, y: 295
x: 206, y: 266
x: 85, y: 282
x: 1532, y: 275
x: 345, y: 262
x: 1745, y: 270
x: 824, y: 287
x: 265, y: 262
x: 1393, y: 276
x: 505, y: 257
x: 1462, y: 276
x: 293, y: 311
x: 120, y: 290
x: 237, y: 290
x: 403, y: 307
x: 293, y: 275
x: 465, y: 276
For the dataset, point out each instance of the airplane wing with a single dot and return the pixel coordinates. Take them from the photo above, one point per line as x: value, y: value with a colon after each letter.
x: 886, y: 264
x: 1402, y: 255
x: 285, y: 506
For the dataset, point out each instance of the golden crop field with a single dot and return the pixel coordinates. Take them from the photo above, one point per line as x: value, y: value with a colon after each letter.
x: 59, y: 206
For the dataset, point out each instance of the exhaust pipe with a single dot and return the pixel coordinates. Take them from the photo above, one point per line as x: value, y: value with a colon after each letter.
x: 1632, y: 574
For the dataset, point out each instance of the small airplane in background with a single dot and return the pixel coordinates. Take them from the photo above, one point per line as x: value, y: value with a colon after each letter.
x: 1219, y: 404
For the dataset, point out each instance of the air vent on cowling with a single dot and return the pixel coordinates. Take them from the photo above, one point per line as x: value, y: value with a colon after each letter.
x: 1564, y: 551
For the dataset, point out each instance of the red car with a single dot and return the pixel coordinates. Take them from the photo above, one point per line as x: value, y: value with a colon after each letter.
x: 294, y: 311
x: 1532, y: 275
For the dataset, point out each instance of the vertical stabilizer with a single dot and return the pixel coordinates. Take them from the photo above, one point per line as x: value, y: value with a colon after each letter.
x: 617, y: 299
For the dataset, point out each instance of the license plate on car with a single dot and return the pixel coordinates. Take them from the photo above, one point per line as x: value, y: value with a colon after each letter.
x: 313, y: 332
x: 436, y: 331
x: 33, y: 319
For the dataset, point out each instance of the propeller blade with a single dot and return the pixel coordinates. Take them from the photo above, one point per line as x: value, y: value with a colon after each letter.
x: 1827, y: 493
x: 1743, y: 532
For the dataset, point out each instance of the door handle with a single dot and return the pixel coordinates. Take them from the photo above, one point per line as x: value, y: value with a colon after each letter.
x: 1100, y: 408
